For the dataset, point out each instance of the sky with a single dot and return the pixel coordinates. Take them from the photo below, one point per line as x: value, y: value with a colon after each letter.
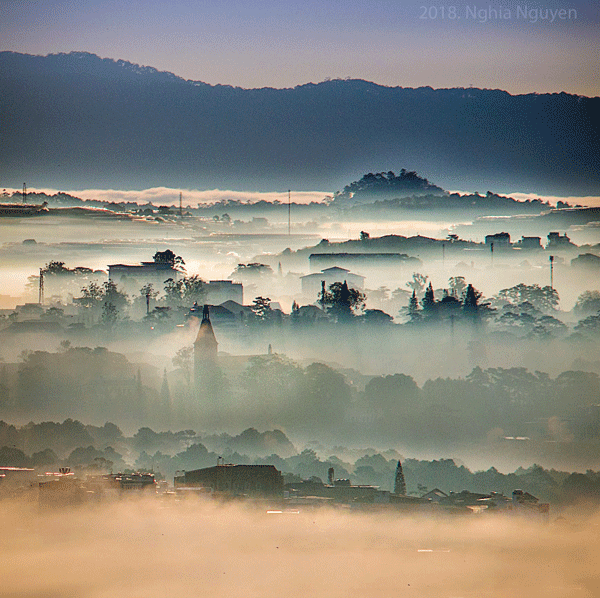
x: 520, y: 46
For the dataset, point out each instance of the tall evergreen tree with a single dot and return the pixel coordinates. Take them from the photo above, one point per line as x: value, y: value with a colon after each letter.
x: 428, y: 301
x: 399, y: 482
x: 413, y: 306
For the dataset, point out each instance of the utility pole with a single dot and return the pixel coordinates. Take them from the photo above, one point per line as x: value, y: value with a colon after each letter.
x: 41, y: 287
x: 180, y: 204
x: 552, y: 272
x: 289, y: 212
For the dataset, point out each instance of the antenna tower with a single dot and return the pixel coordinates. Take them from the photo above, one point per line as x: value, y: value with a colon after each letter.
x: 289, y: 212
x: 41, y: 287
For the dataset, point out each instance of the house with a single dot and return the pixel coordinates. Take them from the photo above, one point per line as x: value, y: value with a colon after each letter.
x: 499, y: 240
x: 530, y: 243
x: 132, y: 277
x: 558, y: 241
x: 312, y: 283
x: 250, y: 480
x: 386, y: 261
x: 435, y: 495
x: 220, y: 291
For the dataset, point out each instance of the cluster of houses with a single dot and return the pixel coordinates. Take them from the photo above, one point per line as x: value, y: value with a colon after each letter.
x: 264, y: 483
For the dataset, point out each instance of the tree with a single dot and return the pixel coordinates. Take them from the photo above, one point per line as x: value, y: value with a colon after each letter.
x: 413, y: 306
x: 376, y: 317
x: 56, y: 267
x: 380, y: 295
x: 169, y: 257
x: 111, y: 294
x: 90, y: 300
x: 185, y: 291
x: 184, y: 360
x: 148, y: 292
x: 591, y: 324
x: 261, y: 307
x: 343, y: 300
x: 91, y: 296
x: 458, y: 285
x: 417, y: 283
x: 251, y: 271
x: 544, y: 299
x: 587, y: 303
x: 194, y: 289
x: 471, y: 300
x: 428, y: 301
x: 109, y: 315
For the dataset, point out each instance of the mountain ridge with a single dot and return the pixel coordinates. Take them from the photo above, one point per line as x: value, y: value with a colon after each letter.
x: 144, y: 69
x: 78, y: 120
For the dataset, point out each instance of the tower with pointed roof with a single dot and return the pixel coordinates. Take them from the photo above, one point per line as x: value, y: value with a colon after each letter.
x: 205, y: 350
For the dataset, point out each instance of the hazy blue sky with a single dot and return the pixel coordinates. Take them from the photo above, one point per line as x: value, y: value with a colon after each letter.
x: 254, y: 43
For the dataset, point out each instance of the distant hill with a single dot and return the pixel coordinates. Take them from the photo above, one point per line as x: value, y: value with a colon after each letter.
x: 386, y: 185
x: 79, y: 121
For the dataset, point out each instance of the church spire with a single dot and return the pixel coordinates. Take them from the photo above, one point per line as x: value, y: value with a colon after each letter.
x: 205, y: 348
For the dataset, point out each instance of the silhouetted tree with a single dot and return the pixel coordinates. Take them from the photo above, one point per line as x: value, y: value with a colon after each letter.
x: 413, y: 306
x: 111, y: 294
x: 185, y: 291
x: 148, y: 292
x: 261, y: 308
x: 587, y: 303
x: 169, y: 257
x: 457, y: 285
x: 342, y: 300
x: 545, y: 299
x: 428, y: 301
x: 184, y: 360
x: 418, y: 282
x: 110, y: 314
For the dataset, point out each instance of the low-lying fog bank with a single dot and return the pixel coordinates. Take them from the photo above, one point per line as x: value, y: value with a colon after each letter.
x: 151, y: 548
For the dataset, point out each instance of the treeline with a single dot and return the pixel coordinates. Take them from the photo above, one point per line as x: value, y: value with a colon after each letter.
x: 273, y: 390
x: 90, y: 449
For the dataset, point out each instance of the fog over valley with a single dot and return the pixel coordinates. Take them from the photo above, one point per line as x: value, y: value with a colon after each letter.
x: 335, y: 339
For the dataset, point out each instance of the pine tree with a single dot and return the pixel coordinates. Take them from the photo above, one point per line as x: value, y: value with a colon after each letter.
x: 428, y: 300
x: 399, y: 482
x: 413, y: 305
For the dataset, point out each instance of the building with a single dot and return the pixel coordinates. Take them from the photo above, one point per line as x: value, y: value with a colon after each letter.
x: 587, y: 261
x: 436, y: 495
x: 311, y: 283
x: 387, y: 261
x: 132, y: 277
x: 220, y: 291
x: 530, y: 243
x: 558, y: 241
x: 205, y: 352
x: 500, y: 240
x: 234, y: 480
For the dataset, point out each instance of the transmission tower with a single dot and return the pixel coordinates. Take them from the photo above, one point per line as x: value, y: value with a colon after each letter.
x: 41, y: 287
